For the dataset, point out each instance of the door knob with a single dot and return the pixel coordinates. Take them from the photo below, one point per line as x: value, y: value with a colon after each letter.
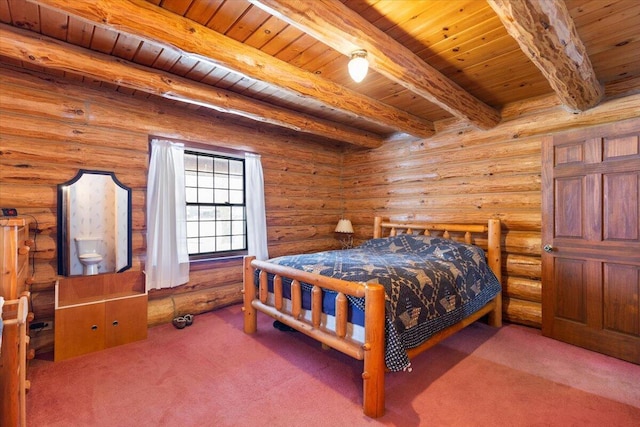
x: 548, y: 248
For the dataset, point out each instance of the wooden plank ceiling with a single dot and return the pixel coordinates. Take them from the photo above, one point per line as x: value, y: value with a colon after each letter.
x: 284, y: 62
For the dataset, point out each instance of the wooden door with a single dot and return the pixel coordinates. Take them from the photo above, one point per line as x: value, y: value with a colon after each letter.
x: 591, y: 239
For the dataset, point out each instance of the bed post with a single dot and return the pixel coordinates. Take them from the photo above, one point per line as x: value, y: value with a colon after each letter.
x: 249, y: 294
x: 374, y: 349
x: 377, y: 227
x: 494, y: 258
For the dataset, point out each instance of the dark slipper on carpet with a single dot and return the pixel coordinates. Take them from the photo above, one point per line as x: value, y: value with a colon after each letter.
x: 281, y: 326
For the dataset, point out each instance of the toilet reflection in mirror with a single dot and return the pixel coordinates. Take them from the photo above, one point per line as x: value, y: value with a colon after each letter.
x: 88, y: 250
x: 94, y: 212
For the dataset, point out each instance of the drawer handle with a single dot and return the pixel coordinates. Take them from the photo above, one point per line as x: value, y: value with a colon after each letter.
x: 115, y: 323
x: 94, y: 327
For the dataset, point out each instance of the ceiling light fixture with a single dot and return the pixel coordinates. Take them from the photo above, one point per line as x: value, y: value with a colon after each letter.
x: 358, y: 65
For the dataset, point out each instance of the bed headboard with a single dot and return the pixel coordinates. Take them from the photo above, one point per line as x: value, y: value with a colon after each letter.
x: 492, y: 230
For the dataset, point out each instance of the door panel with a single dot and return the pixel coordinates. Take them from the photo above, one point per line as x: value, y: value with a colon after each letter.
x: 591, y: 232
x: 615, y: 147
x: 621, y: 298
x: 569, y: 201
x: 79, y: 330
x: 621, y: 206
x: 125, y: 320
x: 571, y: 301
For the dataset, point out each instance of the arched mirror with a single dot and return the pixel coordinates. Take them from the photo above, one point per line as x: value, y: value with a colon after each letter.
x: 94, y: 220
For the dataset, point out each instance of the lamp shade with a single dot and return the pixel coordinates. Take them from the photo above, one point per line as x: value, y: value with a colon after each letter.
x: 344, y: 226
x: 358, y: 65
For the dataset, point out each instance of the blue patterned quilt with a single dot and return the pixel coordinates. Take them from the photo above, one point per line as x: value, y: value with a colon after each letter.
x: 430, y: 282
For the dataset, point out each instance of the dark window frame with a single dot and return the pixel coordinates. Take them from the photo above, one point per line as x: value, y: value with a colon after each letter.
x: 229, y: 155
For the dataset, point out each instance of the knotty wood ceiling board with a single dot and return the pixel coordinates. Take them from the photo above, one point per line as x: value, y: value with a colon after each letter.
x: 611, y: 34
x: 465, y: 40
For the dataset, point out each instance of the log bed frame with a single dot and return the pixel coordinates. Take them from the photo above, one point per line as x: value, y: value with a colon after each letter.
x: 373, y: 350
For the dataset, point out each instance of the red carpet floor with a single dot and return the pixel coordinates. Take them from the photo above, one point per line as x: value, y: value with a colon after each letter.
x: 212, y: 374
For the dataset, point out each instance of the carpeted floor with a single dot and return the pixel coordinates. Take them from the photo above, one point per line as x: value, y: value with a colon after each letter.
x: 212, y: 374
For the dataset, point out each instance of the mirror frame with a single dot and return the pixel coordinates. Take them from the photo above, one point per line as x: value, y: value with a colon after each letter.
x: 63, y: 233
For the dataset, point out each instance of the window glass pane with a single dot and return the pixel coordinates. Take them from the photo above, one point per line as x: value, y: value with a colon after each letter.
x: 223, y: 243
x: 236, y: 182
x: 191, y: 195
x: 237, y: 212
x: 236, y: 197
x: 192, y: 246
x: 205, y: 164
x: 205, y: 180
x: 190, y: 162
x: 223, y: 213
x: 222, y: 196
x: 207, y: 213
x: 190, y: 179
x: 222, y: 166
x: 205, y: 195
x: 237, y: 242
x: 192, y: 213
x: 207, y: 228
x: 223, y: 228
x: 192, y: 229
x: 222, y: 181
x: 236, y: 167
x: 207, y: 244
x: 237, y: 227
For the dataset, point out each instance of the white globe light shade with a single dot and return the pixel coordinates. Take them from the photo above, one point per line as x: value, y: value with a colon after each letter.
x: 358, y: 67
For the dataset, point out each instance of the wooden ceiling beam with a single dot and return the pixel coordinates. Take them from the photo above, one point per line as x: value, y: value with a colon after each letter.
x: 147, y: 21
x: 547, y: 34
x: 337, y: 26
x: 53, y: 54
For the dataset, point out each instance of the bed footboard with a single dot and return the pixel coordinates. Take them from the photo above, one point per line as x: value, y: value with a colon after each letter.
x: 371, y: 351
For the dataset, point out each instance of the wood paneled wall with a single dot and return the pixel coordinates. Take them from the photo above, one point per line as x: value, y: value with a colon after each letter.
x: 466, y: 175
x: 51, y: 127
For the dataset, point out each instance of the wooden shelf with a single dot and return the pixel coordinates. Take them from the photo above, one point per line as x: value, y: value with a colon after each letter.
x: 79, y: 290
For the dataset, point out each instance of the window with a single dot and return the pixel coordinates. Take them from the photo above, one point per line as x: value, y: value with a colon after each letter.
x: 215, y: 199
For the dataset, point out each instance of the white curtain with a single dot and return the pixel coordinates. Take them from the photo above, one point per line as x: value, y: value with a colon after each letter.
x: 256, y: 213
x: 167, y: 254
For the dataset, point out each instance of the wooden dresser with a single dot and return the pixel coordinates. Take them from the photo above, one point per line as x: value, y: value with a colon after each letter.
x: 14, y: 268
x: 98, y: 312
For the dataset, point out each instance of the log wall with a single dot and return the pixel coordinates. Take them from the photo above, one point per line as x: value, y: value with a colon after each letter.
x: 466, y: 175
x: 52, y: 126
